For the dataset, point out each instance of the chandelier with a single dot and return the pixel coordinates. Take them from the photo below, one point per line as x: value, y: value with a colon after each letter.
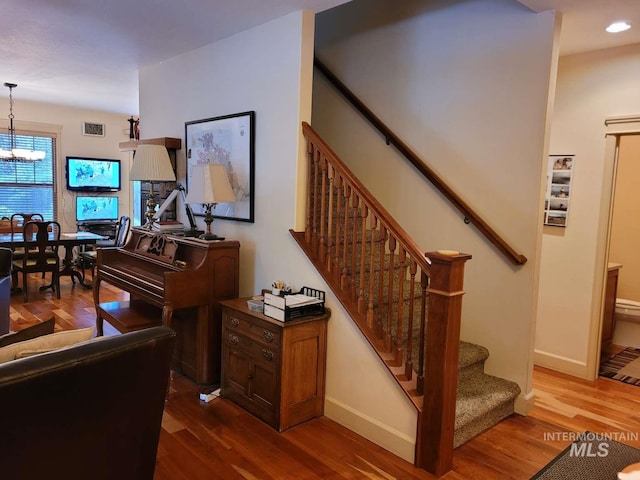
x: 15, y: 154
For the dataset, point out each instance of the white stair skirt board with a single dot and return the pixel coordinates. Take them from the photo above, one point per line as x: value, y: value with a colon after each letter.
x: 373, y: 430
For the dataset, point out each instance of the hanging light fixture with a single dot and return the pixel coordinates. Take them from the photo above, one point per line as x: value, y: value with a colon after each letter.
x: 15, y: 154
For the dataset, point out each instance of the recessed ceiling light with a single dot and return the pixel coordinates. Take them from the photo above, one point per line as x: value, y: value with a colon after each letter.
x: 618, y: 27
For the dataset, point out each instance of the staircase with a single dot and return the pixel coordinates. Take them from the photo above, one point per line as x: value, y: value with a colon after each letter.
x: 406, y: 303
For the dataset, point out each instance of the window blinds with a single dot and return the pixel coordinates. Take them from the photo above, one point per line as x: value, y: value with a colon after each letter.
x: 29, y: 187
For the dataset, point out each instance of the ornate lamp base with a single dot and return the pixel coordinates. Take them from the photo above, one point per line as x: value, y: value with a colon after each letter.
x: 151, y: 208
x: 208, y: 220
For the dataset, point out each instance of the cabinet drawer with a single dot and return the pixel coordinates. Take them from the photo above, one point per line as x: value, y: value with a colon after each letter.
x: 255, y: 349
x: 253, y: 328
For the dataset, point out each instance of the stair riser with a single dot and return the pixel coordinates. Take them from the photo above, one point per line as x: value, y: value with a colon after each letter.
x: 467, y: 432
x: 469, y: 371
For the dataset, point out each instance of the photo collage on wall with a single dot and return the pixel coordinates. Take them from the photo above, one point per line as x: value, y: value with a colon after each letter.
x: 558, y: 196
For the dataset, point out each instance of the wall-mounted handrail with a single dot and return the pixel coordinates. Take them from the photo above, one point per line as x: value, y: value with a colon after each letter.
x: 470, y: 216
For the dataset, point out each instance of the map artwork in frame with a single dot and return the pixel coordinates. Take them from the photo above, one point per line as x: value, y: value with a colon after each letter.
x: 227, y: 140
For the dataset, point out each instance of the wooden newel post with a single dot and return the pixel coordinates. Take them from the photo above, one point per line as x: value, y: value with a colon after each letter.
x: 434, y: 446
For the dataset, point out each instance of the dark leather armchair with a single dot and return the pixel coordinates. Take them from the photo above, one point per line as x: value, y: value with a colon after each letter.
x: 90, y: 411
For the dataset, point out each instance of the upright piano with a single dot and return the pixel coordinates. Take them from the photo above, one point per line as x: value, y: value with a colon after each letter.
x: 176, y: 281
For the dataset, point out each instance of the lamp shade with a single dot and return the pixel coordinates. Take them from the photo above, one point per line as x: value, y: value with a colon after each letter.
x: 152, y: 163
x: 209, y: 185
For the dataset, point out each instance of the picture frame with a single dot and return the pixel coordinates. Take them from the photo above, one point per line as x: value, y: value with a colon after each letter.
x: 227, y: 140
x: 558, y: 195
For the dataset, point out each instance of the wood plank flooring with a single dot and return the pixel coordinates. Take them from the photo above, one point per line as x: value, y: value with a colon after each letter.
x: 219, y: 440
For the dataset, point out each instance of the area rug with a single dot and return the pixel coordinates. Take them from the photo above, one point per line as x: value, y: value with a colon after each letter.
x: 624, y: 367
x: 592, y: 456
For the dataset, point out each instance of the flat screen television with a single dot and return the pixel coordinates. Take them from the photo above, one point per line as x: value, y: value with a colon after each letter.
x: 86, y: 174
x: 96, y: 208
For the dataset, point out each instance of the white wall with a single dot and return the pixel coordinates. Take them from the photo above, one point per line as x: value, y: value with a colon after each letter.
x: 268, y: 69
x: 466, y: 86
x: 257, y: 70
x: 591, y: 87
x: 68, y: 121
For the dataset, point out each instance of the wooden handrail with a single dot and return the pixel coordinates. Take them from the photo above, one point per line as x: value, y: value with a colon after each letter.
x: 470, y: 216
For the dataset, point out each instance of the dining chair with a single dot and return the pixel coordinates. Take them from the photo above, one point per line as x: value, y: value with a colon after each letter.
x: 89, y: 258
x: 40, y: 254
x: 17, y: 222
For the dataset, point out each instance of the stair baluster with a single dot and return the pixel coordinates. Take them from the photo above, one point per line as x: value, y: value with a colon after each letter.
x: 399, y: 350
x: 324, y: 219
x: 330, y: 220
x: 388, y: 329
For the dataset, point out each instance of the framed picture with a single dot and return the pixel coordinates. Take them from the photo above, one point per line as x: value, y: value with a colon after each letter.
x: 226, y: 140
x: 558, y: 196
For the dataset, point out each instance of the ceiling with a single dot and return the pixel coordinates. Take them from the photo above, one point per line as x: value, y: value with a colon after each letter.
x: 584, y: 21
x: 87, y: 53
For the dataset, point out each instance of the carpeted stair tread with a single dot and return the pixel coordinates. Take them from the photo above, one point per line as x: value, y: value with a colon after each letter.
x: 471, y: 353
x: 483, y: 400
x: 471, y: 360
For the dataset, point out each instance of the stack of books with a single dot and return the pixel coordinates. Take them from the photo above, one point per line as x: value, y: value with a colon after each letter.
x: 167, y: 226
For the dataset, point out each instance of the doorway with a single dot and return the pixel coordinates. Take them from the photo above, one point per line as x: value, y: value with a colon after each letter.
x: 621, y: 198
x: 623, y: 266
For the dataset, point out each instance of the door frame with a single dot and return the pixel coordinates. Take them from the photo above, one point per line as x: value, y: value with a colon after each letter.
x: 616, y: 128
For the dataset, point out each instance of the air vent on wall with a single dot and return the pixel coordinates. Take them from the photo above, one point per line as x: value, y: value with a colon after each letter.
x: 93, y: 129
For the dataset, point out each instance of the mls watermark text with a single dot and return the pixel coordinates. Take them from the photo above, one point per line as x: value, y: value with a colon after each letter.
x: 591, y: 444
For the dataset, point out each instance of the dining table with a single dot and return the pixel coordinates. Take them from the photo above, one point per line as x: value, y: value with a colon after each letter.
x: 69, y: 241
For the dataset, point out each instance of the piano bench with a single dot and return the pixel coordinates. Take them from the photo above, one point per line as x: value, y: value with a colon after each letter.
x: 128, y: 316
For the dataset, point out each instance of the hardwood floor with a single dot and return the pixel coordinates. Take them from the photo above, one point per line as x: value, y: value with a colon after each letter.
x: 219, y: 440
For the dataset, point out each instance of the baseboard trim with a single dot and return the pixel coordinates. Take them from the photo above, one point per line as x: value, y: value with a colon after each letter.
x: 524, y: 403
x: 560, y: 364
x: 371, y: 429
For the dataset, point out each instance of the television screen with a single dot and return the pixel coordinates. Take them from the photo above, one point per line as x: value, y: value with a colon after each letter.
x: 96, y: 208
x: 93, y: 174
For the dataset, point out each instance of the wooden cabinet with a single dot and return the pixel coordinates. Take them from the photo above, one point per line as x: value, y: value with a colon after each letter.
x: 609, y: 314
x: 275, y: 370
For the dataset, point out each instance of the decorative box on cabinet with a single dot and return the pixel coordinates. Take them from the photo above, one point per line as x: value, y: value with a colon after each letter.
x: 275, y: 370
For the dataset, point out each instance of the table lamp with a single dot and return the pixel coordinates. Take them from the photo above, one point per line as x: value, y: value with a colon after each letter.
x: 209, y: 185
x: 151, y: 163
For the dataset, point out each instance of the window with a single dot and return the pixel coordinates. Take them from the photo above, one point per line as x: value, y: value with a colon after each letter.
x: 29, y: 187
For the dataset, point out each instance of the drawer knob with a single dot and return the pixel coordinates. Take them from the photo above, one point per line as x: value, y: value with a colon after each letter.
x: 268, y: 336
x: 267, y: 354
x: 234, y: 322
x: 234, y: 340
